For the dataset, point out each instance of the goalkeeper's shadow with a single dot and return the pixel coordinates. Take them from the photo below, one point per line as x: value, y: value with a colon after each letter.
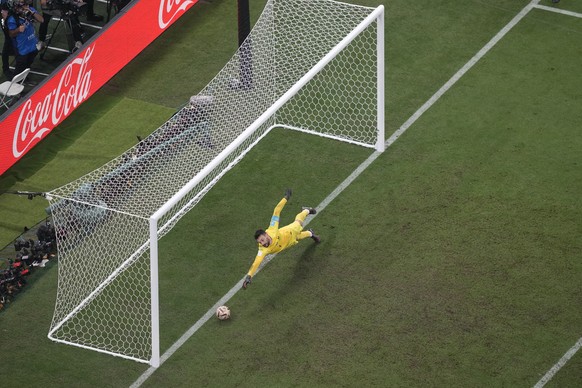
x: 307, y: 265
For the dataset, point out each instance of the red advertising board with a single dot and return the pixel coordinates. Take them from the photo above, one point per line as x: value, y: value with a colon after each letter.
x: 83, y: 74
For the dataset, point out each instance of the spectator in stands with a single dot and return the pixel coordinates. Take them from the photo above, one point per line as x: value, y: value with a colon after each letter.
x: 21, y: 31
x: 7, y: 48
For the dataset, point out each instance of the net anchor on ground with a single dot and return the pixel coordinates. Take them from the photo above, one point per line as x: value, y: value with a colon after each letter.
x: 29, y: 194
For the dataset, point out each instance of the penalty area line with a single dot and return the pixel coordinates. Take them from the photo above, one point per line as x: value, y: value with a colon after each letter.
x: 210, y: 313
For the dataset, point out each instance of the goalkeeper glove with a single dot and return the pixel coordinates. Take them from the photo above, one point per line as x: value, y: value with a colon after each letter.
x: 247, y: 281
x: 288, y: 193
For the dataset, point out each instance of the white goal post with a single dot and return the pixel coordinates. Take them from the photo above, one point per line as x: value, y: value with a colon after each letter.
x: 315, y: 66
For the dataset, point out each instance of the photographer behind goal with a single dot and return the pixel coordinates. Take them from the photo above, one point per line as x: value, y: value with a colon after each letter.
x: 67, y: 10
x: 7, y: 48
x: 70, y: 11
x: 19, y: 24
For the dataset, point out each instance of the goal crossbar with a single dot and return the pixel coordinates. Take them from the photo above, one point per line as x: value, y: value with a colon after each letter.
x: 379, y: 11
x: 108, y: 213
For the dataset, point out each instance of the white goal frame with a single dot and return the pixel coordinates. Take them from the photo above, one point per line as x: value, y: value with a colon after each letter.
x: 159, y: 223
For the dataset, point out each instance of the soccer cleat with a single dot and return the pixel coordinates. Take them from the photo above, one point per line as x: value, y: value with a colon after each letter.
x: 314, y: 236
x: 311, y: 209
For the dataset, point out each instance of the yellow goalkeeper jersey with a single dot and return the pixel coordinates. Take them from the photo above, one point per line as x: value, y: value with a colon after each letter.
x: 281, y: 238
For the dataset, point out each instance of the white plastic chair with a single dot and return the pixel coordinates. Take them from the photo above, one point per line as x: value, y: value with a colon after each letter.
x: 12, y: 89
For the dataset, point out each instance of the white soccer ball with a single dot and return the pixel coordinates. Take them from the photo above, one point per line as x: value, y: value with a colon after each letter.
x: 223, y: 313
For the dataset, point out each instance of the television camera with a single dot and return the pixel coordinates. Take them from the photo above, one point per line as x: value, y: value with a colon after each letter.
x: 20, y: 8
x: 67, y: 8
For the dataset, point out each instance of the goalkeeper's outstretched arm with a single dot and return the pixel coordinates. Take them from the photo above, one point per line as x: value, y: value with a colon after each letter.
x: 254, y: 267
x: 275, y: 218
x: 256, y: 263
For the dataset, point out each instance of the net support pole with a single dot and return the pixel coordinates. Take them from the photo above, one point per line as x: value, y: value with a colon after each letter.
x: 155, y: 305
x: 380, y: 143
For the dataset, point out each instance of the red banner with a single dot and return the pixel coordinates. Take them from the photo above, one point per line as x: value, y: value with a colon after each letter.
x: 84, y: 73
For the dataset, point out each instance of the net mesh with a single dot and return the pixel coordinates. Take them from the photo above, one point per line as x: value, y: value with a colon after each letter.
x: 102, y: 218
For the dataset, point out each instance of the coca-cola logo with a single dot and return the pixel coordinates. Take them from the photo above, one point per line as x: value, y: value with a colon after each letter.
x: 169, y: 10
x: 38, y: 118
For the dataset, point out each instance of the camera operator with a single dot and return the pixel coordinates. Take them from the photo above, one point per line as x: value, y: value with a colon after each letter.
x: 7, y: 48
x: 67, y: 10
x: 21, y: 30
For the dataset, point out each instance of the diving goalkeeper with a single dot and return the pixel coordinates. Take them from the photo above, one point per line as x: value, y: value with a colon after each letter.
x: 274, y: 240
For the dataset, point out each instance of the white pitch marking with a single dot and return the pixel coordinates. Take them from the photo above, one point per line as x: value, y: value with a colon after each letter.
x: 565, y: 358
x: 570, y: 353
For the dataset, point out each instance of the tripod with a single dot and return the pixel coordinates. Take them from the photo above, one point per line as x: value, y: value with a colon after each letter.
x: 73, y: 32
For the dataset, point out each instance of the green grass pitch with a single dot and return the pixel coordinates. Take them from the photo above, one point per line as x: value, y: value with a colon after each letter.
x: 453, y: 260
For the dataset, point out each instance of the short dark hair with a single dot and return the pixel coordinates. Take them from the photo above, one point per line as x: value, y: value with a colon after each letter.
x: 258, y: 233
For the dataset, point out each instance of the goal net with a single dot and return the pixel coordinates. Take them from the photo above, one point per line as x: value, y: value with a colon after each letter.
x: 309, y: 65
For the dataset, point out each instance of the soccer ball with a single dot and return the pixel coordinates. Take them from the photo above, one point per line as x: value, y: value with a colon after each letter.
x: 223, y: 313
